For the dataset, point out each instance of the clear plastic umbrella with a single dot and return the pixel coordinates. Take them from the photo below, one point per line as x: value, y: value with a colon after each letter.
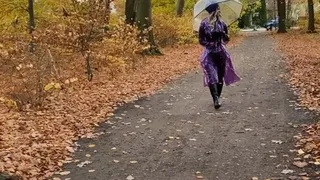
x: 230, y: 11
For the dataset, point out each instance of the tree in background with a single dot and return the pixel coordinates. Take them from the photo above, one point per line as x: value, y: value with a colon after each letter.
x: 282, y: 16
x: 311, y: 27
x: 289, y: 20
x: 130, y: 11
x: 139, y: 12
x: 263, y: 12
x: 179, y: 8
x: 31, y: 24
x: 250, y: 7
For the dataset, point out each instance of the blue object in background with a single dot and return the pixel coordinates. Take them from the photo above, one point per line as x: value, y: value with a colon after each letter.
x: 274, y: 23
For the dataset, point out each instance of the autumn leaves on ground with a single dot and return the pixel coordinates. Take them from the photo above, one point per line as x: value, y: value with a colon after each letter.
x: 302, y: 57
x: 46, y: 99
x: 47, y: 102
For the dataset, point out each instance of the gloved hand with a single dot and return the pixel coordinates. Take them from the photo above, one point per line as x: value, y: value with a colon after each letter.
x: 226, y: 38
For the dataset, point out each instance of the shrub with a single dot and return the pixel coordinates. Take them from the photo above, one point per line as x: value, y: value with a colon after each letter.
x: 170, y: 30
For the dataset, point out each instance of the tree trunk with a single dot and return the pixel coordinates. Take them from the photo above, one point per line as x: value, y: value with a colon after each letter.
x: 32, y: 23
x: 179, y: 8
x: 311, y: 27
x: 263, y: 12
x: 130, y: 11
x: 144, y: 23
x: 289, y: 14
x: 275, y: 8
x: 246, y: 20
x: 107, y: 11
x: 250, y: 19
x: 282, y: 16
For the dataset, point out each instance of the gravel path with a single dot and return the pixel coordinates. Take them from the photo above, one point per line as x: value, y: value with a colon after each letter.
x: 177, y: 135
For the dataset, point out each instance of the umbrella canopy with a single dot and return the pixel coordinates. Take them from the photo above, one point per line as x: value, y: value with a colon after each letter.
x: 230, y: 11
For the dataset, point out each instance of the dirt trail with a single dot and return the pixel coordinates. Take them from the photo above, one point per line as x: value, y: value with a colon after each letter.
x: 177, y: 132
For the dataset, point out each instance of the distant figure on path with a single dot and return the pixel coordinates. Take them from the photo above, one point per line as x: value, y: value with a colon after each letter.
x: 215, y: 60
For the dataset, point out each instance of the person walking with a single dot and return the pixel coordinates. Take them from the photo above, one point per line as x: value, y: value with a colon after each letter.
x: 215, y: 60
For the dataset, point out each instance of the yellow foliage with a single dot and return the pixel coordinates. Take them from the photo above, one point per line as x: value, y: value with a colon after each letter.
x: 170, y: 29
x: 11, y: 104
x: 52, y: 86
x: 303, y: 22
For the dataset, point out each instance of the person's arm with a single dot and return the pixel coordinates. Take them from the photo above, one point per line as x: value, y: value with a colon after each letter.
x: 227, y: 37
x: 225, y: 28
x: 202, y: 36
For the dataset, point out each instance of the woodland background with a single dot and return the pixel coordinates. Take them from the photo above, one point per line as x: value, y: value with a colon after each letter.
x: 67, y: 64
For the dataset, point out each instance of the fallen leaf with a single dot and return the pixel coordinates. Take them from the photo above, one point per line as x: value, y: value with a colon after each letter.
x: 277, y: 141
x: 130, y: 178
x: 91, y: 145
x: 82, y: 164
x: 70, y: 149
x: 300, y: 164
x: 64, y: 173
x: 293, y: 178
x: 307, y: 156
x: 303, y: 174
x: 300, y: 152
x: 287, y: 171
x: 124, y: 152
x: 316, y: 163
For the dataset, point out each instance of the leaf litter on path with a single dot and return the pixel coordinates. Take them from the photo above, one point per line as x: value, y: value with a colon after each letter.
x: 277, y: 141
x: 300, y: 164
x: 64, y: 173
x: 130, y: 177
x: 116, y: 161
x: 84, y: 163
x: 287, y: 171
x: 75, y: 112
x: 91, y: 145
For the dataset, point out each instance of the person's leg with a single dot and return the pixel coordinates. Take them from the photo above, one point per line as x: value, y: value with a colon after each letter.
x: 214, y: 93
x: 221, y: 65
x: 220, y: 87
x: 214, y: 90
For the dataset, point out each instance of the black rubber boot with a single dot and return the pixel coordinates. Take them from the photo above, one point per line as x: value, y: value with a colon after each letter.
x: 214, y: 93
x: 220, y: 86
